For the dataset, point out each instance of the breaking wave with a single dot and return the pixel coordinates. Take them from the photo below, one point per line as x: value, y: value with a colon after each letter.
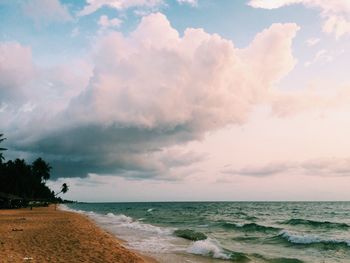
x: 312, y: 240
x: 211, y: 248
x: 250, y: 227
x: 313, y: 223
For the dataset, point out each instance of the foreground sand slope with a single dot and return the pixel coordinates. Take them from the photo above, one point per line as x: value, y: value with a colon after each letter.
x: 46, y: 235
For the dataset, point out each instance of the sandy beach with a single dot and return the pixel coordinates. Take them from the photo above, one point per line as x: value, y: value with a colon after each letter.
x: 48, y: 235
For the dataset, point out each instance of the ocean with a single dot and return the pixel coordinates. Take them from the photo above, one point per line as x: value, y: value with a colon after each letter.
x: 275, y: 232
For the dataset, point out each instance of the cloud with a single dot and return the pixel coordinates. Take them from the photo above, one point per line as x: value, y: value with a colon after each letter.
x: 189, y: 2
x: 93, y: 5
x: 316, y: 167
x: 105, y: 22
x: 16, y: 70
x: 285, y: 104
x: 323, y: 56
x: 335, y: 13
x: 149, y: 92
x: 28, y: 92
x: 46, y: 11
x: 260, y: 171
x: 312, y: 42
x: 273, y: 4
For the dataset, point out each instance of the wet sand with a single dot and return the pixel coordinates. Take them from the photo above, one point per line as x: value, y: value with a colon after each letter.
x: 49, y: 235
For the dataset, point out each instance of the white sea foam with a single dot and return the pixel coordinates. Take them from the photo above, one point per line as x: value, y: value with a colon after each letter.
x: 66, y: 208
x: 149, y: 238
x: 150, y: 210
x: 136, y: 225
x: 155, y: 244
x: 308, y: 238
x: 119, y: 218
x: 299, y: 238
x: 140, y: 236
x: 207, y: 247
x: 123, y: 221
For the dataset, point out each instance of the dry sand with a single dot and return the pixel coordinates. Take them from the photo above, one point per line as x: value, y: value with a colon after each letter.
x: 45, y: 235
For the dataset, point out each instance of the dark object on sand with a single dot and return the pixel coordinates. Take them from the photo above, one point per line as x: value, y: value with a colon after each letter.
x: 190, y: 234
x: 17, y: 229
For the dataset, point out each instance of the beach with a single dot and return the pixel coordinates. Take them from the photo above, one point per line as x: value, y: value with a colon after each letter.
x: 256, y: 232
x: 48, y: 235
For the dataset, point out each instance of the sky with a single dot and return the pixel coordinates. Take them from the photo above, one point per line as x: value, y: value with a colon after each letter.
x: 180, y: 100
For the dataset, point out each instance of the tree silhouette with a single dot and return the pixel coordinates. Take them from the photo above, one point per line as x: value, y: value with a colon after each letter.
x: 2, y: 149
x: 41, y: 169
x: 26, y: 181
x: 64, y: 189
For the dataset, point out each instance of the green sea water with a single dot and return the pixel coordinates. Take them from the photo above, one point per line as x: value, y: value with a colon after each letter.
x: 275, y: 232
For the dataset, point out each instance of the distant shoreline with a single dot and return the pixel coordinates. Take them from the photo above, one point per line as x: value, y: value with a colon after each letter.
x: 48, y: 235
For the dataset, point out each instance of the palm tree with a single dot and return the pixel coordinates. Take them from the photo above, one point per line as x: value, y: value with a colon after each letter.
x: 41, y: 169
x: 64, y: 189
x: 2, y: 149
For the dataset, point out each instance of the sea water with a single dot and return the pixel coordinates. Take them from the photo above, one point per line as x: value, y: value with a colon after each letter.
x: 229, y: 231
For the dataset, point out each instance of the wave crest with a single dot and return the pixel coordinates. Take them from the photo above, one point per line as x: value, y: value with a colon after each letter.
x: 313, y: 240
x: 313, y: 223
x: 211, y: 248
x: 250, y: 227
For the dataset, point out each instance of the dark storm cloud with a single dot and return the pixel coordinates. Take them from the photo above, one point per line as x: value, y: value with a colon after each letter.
x: 107, y: 150
x: 145, y: 95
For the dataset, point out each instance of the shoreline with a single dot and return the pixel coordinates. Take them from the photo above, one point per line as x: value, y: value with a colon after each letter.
x: 48, y: 235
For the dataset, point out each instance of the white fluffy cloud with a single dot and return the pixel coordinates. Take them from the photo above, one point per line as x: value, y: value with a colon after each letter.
x: 189, y: 2
x: 335, y: 13
x: 46, y: 11
x: 93, y: 5
x: 157, y: 78
x: 16, y: 70
x: 153, y: 90
x: 105, y: 22
x: 318, y: 100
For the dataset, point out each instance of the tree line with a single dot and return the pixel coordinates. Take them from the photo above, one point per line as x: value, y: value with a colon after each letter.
x: 27, y: 180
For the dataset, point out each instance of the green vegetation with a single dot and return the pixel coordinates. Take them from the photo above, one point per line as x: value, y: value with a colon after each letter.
x: 27, y: 182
